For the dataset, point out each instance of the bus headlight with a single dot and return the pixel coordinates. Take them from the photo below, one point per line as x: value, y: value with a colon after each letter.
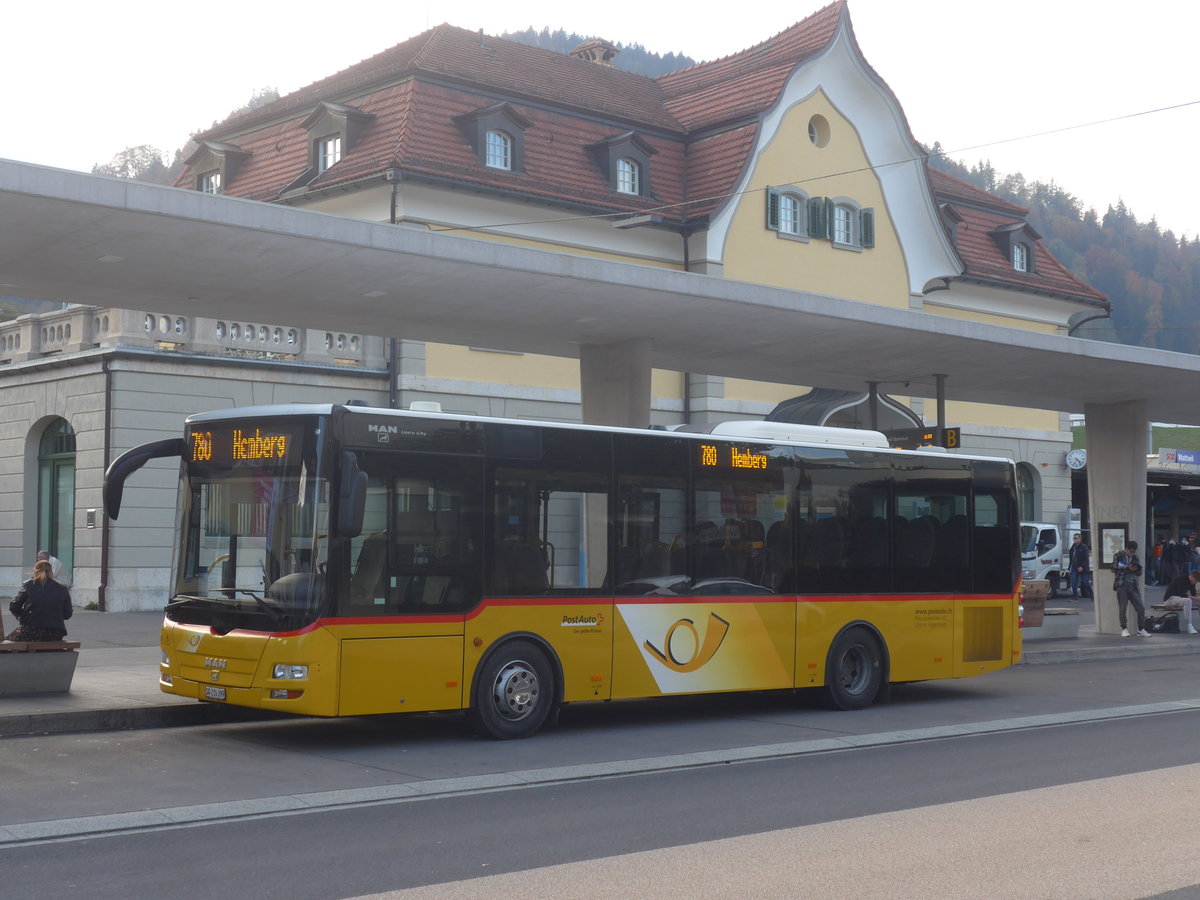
x: 289, y: 671
x: 166, y: 658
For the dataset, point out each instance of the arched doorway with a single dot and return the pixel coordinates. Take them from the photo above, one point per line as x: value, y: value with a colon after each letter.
x: 56, y: 493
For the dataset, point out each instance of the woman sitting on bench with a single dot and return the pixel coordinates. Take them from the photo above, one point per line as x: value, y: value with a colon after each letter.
x: 41, y: 607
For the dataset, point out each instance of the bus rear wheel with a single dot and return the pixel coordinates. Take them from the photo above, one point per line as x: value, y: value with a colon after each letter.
x: 854, y: 670
x: 513, y: 694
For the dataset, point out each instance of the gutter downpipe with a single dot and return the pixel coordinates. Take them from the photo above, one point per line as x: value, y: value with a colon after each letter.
x: 102, y: 588
x: 393, y: 176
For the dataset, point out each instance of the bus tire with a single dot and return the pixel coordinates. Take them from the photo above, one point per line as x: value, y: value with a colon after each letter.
x: 513, y: 693
x: 853, y: 670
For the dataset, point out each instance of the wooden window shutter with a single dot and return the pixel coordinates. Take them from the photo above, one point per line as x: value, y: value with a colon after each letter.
x: 772, y: 209
x: 817, y: 225
x: 866, y: 228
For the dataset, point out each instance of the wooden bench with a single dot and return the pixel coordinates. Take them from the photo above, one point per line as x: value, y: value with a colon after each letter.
x: 37, y: 667
x: 1164, y: 607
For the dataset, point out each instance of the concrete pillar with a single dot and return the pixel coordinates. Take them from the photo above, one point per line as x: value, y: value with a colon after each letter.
x: 614, y: 382
x: 1116, y: 467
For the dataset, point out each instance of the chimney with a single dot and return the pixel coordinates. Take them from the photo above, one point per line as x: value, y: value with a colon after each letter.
x: 596, y: 50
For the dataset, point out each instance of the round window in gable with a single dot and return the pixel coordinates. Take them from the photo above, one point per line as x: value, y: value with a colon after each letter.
x: 818, y: 131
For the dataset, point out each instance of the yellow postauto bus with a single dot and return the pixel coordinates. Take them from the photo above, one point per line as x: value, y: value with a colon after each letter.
x: 341, y: 561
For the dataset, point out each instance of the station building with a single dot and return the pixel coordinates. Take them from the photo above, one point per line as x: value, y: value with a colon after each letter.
x: 789, y: 164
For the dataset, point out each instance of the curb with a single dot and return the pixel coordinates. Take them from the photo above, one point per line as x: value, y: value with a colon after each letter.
x: 130, y: 718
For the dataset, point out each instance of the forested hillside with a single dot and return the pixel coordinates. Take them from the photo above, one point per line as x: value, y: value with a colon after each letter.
x: 1151, y: 276
x: 632, y: 58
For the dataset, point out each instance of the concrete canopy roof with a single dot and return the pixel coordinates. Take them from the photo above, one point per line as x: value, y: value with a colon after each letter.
x: 102, y: 241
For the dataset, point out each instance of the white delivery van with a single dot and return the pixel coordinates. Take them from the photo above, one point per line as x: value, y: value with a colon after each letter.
x: 1045, y: 556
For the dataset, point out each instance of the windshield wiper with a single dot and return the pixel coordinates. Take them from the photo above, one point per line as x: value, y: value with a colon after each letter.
x: 262, y: 604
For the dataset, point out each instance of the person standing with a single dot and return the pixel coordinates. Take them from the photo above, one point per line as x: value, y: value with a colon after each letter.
x: 1080, y: 560
x: 56, y: 566
x: 1182, y: 554
x: 1127, y: 566
x: 1180, y: 593
x: 41, y: 607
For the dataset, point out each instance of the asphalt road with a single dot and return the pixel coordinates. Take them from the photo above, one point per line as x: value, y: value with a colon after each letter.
x: 334, y: 808
x: 516, y: 833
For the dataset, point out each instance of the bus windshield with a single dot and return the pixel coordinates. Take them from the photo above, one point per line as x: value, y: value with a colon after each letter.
x: 253, y: 530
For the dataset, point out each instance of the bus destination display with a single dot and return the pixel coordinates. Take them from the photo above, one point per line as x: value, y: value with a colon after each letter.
x: 713, y: 456
x: 239, y: 444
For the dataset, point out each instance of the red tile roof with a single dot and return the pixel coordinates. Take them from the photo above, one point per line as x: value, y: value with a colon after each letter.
x: 702, y: 122
x: 981, y: 214
x: 748, y: 82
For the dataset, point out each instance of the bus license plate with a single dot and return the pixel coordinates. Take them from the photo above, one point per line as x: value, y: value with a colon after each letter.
x: 214, y: 693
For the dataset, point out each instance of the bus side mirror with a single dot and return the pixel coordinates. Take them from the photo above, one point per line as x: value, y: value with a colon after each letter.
x: 352, y: 501
x: 128, y: 463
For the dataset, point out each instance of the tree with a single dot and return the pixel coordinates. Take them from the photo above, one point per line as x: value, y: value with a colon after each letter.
x: 141, y: 163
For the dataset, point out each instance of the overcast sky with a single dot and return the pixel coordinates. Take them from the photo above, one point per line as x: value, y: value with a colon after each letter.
x: 82, y: 81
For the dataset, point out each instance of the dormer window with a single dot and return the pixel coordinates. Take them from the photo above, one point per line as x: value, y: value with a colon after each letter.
x: 1020, y: 257
x: 210, y: 182
x: 215, y: 165
x: 1017, y: 242
x: 329, y: 151
x: 496, y: 134
x: 499, y: 151
x: 333, y: 130
x: 624, y: 162
x: 629, y: 176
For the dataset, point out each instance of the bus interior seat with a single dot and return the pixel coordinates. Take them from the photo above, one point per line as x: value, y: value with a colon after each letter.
x: 372, y: 558
x: 520, y: 570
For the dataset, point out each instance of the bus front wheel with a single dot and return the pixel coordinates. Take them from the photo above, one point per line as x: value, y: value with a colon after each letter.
x: 514, y: 692
x: 854, y: 670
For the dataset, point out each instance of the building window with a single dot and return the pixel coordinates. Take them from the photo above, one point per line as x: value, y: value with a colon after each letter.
x: 847, y: 225
x: 56, y: 493
x: 818, y: 131
x: 329, y: 151
x: 1027, y: 493
x: 210, y: 183
x: 788, y: 214
x: 843, y: 230
x: 1020, y: 257
x: 624, y: 162
x: 498, y: 154
x: 629, y: 176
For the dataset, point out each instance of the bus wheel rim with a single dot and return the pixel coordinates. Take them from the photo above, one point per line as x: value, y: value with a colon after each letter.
x: 854, y: 670
x: 516, y: 690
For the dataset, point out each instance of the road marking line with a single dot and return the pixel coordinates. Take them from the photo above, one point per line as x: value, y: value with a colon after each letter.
x: 264, y: 807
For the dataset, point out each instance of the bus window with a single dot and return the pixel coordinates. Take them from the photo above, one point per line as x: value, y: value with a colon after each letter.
x: 419, y: 550
x: 550, y: 521
x: 842, y: 514
x: 736, y: 501
x: 930, y: 528
x: 994, y: 537
x: 651, y: 515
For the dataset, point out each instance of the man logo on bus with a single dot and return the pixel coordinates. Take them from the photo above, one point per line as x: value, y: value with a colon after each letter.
x: 706, y: 650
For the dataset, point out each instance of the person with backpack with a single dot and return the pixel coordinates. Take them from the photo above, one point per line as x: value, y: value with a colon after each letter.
x: 1127, y: 582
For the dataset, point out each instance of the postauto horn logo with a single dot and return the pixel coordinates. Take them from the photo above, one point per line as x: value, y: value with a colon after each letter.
x: 705, y: 650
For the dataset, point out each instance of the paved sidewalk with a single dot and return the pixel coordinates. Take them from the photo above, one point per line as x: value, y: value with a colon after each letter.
x: 116, y: 681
